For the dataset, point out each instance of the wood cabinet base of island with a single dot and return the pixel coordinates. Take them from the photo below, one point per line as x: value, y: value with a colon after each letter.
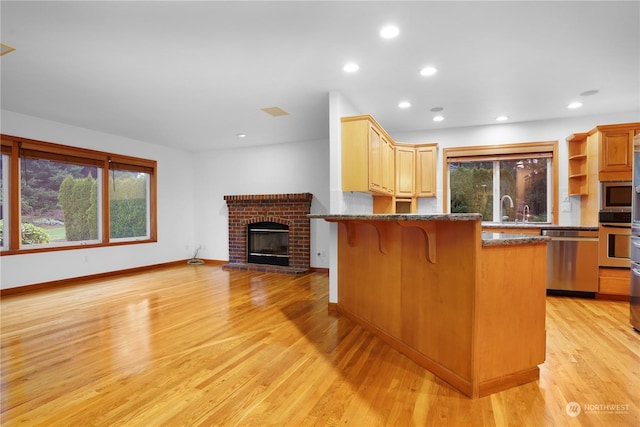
x: 473, y: 315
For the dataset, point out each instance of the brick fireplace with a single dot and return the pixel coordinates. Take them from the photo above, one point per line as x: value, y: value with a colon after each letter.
x: 289, y: 210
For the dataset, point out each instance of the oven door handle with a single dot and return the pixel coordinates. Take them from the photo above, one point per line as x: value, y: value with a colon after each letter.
x: 615, y: 225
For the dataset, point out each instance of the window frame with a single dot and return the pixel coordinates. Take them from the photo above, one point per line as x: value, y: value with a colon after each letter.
x: 147, y: 203
x: 6, y: 168
x: 502, y: 152
x: 17, y: 147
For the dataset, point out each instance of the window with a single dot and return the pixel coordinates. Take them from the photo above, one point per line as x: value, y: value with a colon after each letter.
x: 128, y: 204
x: 471, y: 187
x: 59, y: 202
x: 4, y: 198
x: 70, y: 197
x: 511, y: 183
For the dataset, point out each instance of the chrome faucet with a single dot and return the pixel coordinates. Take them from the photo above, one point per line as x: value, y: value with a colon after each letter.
x: 507, y: 197
x: 525, y: 213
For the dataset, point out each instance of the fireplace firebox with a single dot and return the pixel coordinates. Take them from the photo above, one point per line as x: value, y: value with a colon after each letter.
x: 268, y: 243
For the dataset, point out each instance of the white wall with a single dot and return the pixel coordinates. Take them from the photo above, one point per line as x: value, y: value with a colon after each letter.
x: 176, y: 196
x: 192, y: 212
x: 191, y: 207
x: 299, y: 167
x: 341, y: 202
x: 505, y: 133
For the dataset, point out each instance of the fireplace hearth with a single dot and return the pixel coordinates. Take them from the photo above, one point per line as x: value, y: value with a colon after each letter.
x: 270, y: 232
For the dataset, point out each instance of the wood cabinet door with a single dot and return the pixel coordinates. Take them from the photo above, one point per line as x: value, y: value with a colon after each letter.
x: 388, y: 166
x: 375, y: 160
x: 616, y: 151
x: 405, y: 171
x: 426, y: 171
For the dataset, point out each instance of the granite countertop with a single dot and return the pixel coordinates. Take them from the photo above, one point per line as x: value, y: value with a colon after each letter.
x: 537, y: 225
x: 451, y: 217
x: 502, y: 239
x: 401, y: 217
x: 488, y: 239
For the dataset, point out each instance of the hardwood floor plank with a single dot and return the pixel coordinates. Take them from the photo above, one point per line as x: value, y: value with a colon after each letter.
x: 200, y: 346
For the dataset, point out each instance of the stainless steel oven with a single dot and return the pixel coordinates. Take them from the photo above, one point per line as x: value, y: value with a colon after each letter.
x: 614, y: 237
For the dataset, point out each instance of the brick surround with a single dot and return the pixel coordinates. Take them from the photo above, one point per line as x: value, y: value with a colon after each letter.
x: 288, y: 209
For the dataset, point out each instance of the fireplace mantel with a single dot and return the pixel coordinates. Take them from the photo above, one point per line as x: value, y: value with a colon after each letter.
x: 291, y: 210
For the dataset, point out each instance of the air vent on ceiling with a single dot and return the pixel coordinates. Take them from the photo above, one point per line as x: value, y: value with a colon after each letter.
x: 4, y: 49
x: 275, y: 111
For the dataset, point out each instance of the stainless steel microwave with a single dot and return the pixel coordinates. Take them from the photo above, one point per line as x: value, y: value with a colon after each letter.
x: 616, y: 195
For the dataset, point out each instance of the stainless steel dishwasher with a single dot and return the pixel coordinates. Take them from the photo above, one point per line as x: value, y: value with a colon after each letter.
x: 572, y: 260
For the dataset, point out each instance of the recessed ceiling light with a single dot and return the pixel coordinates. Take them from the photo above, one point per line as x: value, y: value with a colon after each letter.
x: 428, y: 71
x: 404, y: 104
x: 589, y: 92
x: 351, y: 67
x: 241, y: 135
x: 501, y: 118
x: 389, y: 32
x: 574, y: 105
x: 438, y: 118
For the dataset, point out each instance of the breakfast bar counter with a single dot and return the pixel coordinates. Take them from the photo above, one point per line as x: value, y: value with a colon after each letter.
x: 468, y: 306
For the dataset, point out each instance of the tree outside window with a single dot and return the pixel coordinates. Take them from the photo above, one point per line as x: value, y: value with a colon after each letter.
x: 472, y: 188
x: 59, y: 202
x: 128, y: 204
x: 480, y: 186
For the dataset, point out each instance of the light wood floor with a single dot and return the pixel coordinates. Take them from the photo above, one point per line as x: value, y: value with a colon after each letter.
x: 197, y: 345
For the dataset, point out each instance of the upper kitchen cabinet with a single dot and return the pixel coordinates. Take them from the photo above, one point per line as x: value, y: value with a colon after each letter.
x: 605, y: 153
x: 578, y: 164
x: 426, y: 155
x: 368, y: 158
x: 615, y: 143
x: 395, y: 174
x: 416, y: 170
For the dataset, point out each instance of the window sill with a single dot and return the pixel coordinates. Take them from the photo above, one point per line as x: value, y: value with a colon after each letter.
x: 25, y: 251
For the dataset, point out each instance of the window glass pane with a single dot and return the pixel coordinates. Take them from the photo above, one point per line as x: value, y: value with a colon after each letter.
x: 471, y: 185
x: 128, y: 204
x: 4, y: 200
x: 59, y: 202
x: 525, y: 181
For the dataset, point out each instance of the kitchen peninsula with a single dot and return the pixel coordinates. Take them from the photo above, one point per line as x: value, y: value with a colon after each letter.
x: 466, y: 305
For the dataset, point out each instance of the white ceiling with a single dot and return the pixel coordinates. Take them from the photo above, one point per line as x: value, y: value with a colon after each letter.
x: 193, y: 75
